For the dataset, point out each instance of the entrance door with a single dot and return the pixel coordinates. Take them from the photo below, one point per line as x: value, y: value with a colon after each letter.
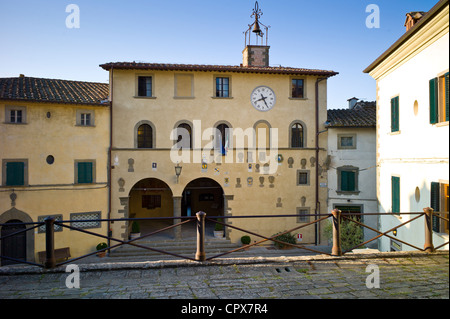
x: 186, y: 204
x: 14, y: 246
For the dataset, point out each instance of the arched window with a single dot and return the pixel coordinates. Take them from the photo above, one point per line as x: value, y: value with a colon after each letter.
x: 297, y: 135
x: 145, y: 136
x: 184, y: 135
x: 262, y: 133
x: 222, y: 141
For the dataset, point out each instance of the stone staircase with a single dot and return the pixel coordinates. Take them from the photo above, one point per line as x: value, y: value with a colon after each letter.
x: 184, y: 247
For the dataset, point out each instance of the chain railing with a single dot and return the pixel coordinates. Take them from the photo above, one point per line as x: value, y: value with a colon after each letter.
x: 200, y: 219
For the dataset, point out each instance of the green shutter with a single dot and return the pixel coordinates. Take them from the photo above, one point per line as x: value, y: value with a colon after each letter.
x: 395, y: 114
x: 15, y: 174
x: 85, y: 173
x: 347, y: 181
x: 395, y: 185
x: 434, y: 117
x: 446, y: 96
x: 435, y: 204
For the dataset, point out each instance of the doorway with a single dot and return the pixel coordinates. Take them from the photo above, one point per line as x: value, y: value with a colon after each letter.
x: 14, y: 246
x: 206, y: 195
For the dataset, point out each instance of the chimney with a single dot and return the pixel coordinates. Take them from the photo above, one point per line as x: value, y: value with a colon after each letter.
x: 256, y: 55
x: 352, y: 102
x: 412, y: 18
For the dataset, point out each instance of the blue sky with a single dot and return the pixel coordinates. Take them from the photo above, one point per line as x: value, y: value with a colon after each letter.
x: 321, y: 34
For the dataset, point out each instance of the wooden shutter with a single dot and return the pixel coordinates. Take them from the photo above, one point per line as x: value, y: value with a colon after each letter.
x: 435, y: 204
x: 395, y: 185
x: 434, y: 117
x: 85, y: 173
x: 15, y: 173
x: 446, y: 96
x: 395, y: 114
x: 348, y: 181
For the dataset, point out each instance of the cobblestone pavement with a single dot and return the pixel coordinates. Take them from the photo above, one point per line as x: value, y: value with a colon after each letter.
x: 403, y: 276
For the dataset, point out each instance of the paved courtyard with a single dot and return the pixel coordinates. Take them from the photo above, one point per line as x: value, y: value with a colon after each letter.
x: 382, y: 275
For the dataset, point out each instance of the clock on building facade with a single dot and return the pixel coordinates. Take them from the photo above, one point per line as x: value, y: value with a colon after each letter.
x: 263, y: 98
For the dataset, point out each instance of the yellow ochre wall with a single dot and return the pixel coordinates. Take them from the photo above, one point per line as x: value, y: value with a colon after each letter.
x: 164, y: 111
x: 51, y: 189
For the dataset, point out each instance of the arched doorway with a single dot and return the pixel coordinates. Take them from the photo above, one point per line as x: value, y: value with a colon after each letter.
x: 151, y: 197
x: 13, y: 246
x: 203, y: 194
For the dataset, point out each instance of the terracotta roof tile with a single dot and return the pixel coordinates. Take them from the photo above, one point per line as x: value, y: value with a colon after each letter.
x: 358, y: 117
x: 215, y: 68
x: 54, y: 91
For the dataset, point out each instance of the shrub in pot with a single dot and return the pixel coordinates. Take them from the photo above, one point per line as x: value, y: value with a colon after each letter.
x: 100, y: 247
x: 245, y: 240
x: 135, y: 230
x: 286, y: 238
x: 218, y: 230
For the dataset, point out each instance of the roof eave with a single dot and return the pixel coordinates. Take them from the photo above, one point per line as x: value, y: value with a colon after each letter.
x: 143, y: 66
x: 435, y: 10
x: 56, y: 102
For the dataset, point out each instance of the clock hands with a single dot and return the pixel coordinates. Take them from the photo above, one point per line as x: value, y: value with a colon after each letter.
x: 264, y: 99
x: 269, y: 99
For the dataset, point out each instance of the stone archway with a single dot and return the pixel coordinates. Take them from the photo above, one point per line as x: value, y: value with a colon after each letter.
x: 151, y: 197
x: 28, y: 240
x: 203, y: 194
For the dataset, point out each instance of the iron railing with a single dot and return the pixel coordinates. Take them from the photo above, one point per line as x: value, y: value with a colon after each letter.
x: 200, y: 219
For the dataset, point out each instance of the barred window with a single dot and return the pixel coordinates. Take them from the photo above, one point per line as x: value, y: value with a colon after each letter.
x: 151, y: 201
x: 77, y: 220
x: 302, y: 215
x: 41, y: 228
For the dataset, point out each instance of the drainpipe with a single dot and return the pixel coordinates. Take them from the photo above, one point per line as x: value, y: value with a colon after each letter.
x: 109, y: 232
x: 317, y: 208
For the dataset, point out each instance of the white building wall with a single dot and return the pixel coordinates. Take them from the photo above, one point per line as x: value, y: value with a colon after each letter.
x: 363, y: 157
x: 419, y: 152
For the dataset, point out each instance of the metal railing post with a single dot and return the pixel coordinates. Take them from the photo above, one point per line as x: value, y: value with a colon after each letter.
x: 428, y: 230
x: 50, y: 260
x: 336, y: 250
x: 200, y: 255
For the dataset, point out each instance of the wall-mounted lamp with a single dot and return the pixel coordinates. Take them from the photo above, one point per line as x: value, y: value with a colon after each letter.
x: 178, y: 169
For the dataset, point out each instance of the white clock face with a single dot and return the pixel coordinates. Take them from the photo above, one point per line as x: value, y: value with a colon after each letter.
x: 263, y: 98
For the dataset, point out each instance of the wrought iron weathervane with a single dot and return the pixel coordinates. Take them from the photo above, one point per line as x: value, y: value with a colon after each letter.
x: 256, y: 26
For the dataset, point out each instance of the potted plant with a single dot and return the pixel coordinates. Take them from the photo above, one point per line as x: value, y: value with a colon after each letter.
x: 218, y: 231
x: 135, y: 230
x: 245, y: 240
x: 100, y: 247
x: 285, y: 238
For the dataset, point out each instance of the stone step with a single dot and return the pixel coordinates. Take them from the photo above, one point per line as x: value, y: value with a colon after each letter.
x: 180, y: 247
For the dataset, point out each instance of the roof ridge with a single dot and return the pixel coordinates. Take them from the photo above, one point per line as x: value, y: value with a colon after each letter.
x: 51, y: 79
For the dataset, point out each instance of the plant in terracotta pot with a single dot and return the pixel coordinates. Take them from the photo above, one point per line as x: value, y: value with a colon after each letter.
x: 245, y: 240
x: 101, y: 246
x: 135, y: 230
x: 218, y: 230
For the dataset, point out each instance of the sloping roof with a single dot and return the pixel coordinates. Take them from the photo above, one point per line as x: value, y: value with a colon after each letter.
x: 53, y: 91
x: 357, y: 117
x: 215, y: 68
